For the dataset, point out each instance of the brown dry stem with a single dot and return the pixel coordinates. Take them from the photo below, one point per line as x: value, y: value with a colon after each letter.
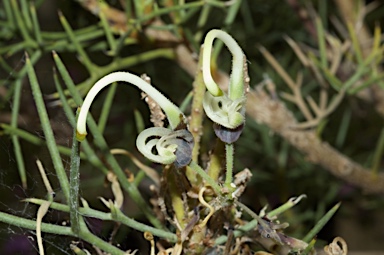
x: 278, y: 118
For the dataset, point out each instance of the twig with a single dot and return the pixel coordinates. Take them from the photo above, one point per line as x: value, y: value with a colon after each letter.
x: 276, y: 116
x: 374, y: 93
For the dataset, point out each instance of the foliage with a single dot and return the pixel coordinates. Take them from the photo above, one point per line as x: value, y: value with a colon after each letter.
x: 192, y: 199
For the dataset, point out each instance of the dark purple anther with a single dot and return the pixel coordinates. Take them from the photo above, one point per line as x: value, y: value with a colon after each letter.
x: 228, y: 135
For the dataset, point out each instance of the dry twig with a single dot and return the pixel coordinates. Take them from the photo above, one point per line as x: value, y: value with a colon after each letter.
x: 277, y: 117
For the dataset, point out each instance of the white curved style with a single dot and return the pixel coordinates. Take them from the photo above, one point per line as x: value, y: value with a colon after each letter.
x: 173, y: 113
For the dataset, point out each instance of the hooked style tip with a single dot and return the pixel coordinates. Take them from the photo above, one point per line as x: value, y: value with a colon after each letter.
x: 80, y: 136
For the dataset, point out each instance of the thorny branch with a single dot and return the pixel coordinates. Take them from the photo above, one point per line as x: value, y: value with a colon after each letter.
x: 264, y: 109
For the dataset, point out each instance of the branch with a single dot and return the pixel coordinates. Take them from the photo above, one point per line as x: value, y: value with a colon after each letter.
x: 262, y: 108
x: 347, y: 9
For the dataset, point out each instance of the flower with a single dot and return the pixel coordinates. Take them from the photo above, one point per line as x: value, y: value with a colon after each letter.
x: 161, y: 145
x: 227, y: 111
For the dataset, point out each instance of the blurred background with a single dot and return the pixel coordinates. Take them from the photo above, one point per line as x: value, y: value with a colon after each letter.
x: 280, y: 171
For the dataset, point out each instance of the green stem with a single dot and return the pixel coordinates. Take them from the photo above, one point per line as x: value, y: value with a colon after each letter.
x: 260, y: 221
x: 139, y: 121
x: 320, y: 224
x: 196, y: 120
x: 74, y: 182
x: 59, y: 230
x: 102, y: 144
x: 31, y: 224
x: 8, y: 13
x: 25, y: 14
x: 202, y: 21
x: 119, y: 64
x: 253, y: 223
x: 81, y: 34
x: 355, y: 43
x: 106, y: 108
x: 128, y: 9
x: 7, y: 68
x: 311, y: 245
x: 138, y: 8
x: 215, y: 161
x: 120, y: 217
x: 229, y: 166
x: 321, y: 42
x: 90, y: 154
x: 286, y: 206
x: 19, y: 161
x: 129, y: 187
x: 16, y: 47
x: 232, y: 13
x: 205, y: 177
x: 139, y: 177
x: 377, y: 157
x: 124, y: 39
x: 45, y: 123
x: 35, y: 23
x: 86, y: 39
x: 108, y: 33
x: 358, y: 74
x: 19, y: 75
x: 134, y: 60
x: 84, y: 57
x: 7, y: 129
x: 176, y: 199
x: 97, y: 241
x: 20, y: 22
x: 163, y: 11
x: 77, y: 250
x: 186, y: 102
x: 15, y: 138
x: 34, y: 58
